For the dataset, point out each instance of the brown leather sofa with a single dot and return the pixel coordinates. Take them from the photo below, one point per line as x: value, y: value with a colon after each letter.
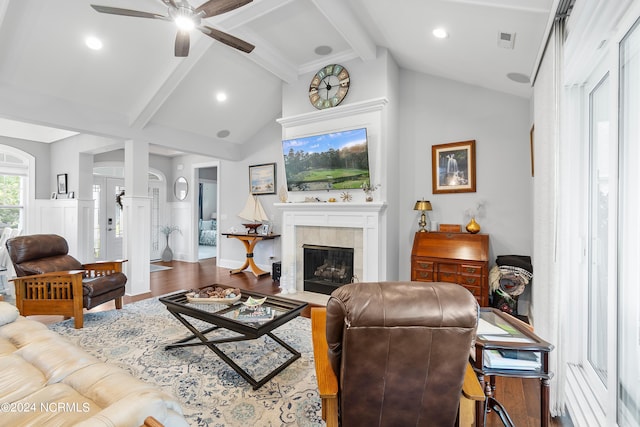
x: 50, y: 281
x: 400, y: 352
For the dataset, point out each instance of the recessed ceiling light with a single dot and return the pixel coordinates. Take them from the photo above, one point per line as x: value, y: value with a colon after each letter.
x: 440, y: 33
x: 323, y: 50
x: 221, y: 96
x: 223, y: 133
x: 93, y: 43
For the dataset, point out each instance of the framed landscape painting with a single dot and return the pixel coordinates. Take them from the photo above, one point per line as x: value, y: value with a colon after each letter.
x: 262, y: 179
x: 453, y: 167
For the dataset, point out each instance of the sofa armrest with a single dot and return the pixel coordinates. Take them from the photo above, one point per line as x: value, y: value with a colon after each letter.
x: 327, y: 381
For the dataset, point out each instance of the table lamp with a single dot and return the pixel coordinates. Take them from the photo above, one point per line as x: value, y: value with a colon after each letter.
x: 423, y: 205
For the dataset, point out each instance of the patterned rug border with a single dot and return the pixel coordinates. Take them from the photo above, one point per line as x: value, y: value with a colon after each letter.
x: 210, y: 392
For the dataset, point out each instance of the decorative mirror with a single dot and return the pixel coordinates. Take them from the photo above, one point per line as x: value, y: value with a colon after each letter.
x: 180, y: 188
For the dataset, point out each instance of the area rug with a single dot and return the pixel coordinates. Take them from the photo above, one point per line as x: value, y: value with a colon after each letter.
x: 211, y: 393
x: 155, y: 268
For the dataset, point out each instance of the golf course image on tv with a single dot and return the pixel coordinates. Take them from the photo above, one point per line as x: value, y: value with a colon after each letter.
x: 330, y: 161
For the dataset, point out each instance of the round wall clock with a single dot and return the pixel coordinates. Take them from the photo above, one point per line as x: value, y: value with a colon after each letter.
x: 329, y: 86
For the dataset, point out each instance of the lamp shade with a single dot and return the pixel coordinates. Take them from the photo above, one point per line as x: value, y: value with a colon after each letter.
x: 422, y: 205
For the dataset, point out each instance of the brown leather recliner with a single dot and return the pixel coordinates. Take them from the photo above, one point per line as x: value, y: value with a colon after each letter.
x: 400, y: 352
x: 50, y: 281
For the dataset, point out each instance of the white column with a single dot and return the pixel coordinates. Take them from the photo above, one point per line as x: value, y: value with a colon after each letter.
x: 136, y: 215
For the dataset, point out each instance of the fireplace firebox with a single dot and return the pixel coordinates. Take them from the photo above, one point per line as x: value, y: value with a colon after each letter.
x: 326, y: 268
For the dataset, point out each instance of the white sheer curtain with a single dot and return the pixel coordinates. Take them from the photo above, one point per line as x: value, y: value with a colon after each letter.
x: 547, y: 290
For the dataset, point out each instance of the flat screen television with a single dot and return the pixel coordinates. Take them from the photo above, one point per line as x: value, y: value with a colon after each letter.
x: 330, y: 161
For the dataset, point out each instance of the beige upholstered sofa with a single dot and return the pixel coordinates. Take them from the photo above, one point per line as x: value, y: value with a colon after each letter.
x: 47, y: 380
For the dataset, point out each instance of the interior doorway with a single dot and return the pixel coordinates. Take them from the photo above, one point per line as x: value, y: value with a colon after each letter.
x: 207, y: 205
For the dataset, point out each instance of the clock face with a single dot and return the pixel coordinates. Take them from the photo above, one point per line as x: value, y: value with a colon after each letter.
x: 329, y: 86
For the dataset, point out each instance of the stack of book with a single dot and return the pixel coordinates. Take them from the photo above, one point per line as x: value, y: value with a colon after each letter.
x: 512, y: 359
x: 254, y: 313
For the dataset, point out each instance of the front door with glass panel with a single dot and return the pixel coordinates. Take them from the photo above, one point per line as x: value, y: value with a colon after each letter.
x: 108, y: 230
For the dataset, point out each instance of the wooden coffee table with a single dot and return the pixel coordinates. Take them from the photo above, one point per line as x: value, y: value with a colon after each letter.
x: 221, y: 316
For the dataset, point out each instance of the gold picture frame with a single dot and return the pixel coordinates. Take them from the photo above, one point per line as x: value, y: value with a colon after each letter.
x: 453, y: 168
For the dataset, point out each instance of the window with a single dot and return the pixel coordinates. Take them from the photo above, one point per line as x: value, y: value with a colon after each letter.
x: 598, y: 228
x: 14, y: 191
x: 603, y: 379
x: 628, y: 348
x: 97, y: 188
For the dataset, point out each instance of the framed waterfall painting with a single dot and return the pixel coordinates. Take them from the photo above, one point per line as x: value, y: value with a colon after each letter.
x: 453, y: 168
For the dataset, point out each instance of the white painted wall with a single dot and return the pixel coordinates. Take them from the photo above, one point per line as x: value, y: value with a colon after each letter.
x: 438, y: 111
x: 233, y: 187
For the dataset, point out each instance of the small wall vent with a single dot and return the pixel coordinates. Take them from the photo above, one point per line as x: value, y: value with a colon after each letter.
x: 506, y: 40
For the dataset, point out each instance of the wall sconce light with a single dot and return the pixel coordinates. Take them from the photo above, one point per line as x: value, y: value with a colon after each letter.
x: 423, y: 206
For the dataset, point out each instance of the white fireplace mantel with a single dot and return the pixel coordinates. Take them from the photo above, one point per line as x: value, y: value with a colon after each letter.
x: 366, y: 217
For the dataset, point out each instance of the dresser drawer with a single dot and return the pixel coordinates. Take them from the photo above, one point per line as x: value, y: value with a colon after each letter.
x: 422, y: 264
x: 447, y: 277
x: 465, y: 280
x: 470, y: 269
x: 444, y: 268
x: 422, y: 276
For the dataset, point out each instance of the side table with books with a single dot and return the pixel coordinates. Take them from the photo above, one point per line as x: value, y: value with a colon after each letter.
x: 507, y: 347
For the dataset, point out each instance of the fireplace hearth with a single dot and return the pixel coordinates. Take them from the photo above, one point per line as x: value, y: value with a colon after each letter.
x: 326, y: 268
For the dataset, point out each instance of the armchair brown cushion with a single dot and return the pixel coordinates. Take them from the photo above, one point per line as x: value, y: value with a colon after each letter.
x: 39, y: 254
x: 400, y: 351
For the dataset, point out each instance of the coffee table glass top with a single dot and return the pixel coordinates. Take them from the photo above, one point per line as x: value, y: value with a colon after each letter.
x: 279, y: 310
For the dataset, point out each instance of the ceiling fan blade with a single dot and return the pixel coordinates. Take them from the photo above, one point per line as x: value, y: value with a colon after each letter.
x: 227, y: 39
x: 218, y: 7
x: 182, y: 44
x: 126, y: 12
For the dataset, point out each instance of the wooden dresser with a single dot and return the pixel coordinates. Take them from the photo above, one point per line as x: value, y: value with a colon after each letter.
x: 460, y: 258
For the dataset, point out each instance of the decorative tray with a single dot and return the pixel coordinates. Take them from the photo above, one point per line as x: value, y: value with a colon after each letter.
x: 214, y: 295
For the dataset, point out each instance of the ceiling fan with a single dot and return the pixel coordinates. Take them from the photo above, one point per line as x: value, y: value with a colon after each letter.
x: 186, y: 18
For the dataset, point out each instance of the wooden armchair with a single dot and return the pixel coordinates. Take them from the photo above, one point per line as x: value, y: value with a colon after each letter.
x: 51, y: 282
x: 385, y: 387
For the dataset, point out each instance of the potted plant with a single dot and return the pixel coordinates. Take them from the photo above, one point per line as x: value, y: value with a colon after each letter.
x: 167, y: 253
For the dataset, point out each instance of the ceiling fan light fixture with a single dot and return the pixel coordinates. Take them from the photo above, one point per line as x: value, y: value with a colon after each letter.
x: 185, y: 23
x: 185, y: 18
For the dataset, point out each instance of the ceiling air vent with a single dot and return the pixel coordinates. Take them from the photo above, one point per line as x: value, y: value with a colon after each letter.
x: 506, y: 40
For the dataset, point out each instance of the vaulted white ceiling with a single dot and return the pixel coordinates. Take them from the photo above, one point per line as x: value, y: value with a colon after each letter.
x: 135, y: 88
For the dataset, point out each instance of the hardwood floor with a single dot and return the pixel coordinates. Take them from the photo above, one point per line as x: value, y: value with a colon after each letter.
x: 520, y: 397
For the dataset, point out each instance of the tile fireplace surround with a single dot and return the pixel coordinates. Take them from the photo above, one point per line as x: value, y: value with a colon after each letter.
x: 354, y: 225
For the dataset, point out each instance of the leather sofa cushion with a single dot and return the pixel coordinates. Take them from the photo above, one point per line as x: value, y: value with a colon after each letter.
x: 94, y: 286
x: 65, y: 407
x: 26, y: 248
x: 41, y: 367
x: 47, y: 265
x: 8, y: 313
x: 18, y: 378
